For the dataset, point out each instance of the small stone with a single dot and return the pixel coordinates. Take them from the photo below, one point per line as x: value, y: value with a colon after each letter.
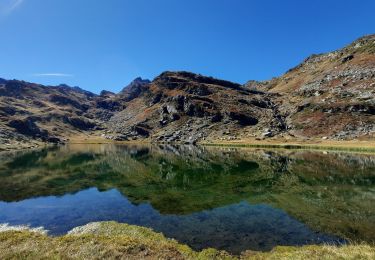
x: 267, y: 134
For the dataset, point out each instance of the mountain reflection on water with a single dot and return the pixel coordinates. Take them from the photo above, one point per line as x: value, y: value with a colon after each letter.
x: 227, y: 198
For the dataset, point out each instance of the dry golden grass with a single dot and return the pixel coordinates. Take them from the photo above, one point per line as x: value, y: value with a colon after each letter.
x: 317, y: 252
x: 353, y: 145
x: 110, y: 240
x: 107, y: 240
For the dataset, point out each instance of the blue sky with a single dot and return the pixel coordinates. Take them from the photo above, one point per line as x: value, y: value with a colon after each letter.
x: 104, y: 44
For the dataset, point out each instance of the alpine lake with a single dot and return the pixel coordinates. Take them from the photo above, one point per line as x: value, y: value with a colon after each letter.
x: 226, y: 198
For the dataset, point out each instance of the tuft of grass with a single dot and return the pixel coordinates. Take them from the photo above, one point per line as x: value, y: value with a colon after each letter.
x: 111, y: 240
x: 316, y: 252
x: 105, y: 240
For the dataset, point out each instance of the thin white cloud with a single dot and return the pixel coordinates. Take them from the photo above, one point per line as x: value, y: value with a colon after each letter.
x: 52, y: 75
x: 8, y: 6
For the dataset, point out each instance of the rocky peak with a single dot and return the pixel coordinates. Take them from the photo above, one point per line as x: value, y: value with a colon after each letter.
x: 172, y: 79
x: 140, y: 80
x: 2, y: 81
x: 137, y: 82
x: 67, y: 88
x: 106, y: 94
x: 134, y: 89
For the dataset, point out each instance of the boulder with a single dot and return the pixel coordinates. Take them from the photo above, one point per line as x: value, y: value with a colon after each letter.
x: 141, y: 130
x: 243, y: 119
x: 54, y: 139
x: 347, y: 58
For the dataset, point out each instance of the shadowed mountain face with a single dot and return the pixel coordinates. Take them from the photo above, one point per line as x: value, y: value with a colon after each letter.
x: 331, y: 193
x: 328, y: 95
x: 35, y: 112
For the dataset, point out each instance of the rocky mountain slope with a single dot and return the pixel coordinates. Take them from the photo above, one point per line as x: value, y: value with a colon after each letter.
x: 32, y: 112
x: 329, y: 96
x: 186, y: 107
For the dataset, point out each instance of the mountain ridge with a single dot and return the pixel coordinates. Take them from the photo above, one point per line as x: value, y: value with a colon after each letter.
x: 327, y: 96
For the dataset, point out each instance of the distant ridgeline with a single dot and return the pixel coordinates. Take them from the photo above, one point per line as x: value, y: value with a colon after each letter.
x: 329, y: 96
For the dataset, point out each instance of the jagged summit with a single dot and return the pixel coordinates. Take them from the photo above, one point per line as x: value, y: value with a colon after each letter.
x: 136, y: 82
x: 134, y: 89
x: 68, y: 88
x: 175, y: 78
x: 106, y: 93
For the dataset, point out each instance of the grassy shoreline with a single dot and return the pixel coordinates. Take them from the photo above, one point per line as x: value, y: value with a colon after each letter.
x: 315, y: 144
x: 296, y: 146
x: 272, y: 143
x: 111, y: 240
